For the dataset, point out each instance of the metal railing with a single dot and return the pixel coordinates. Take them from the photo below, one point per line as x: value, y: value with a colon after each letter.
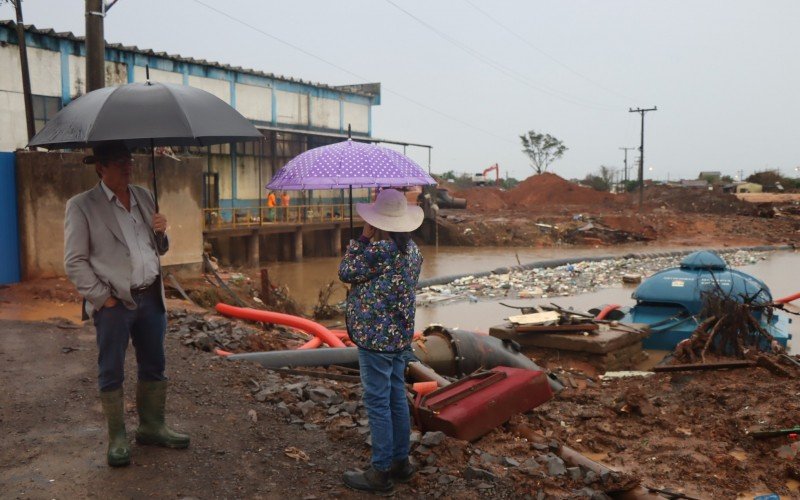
x: 236, y: 217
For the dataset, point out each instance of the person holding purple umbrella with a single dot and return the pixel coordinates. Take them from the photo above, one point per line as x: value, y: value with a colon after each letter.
x: 383, y: 267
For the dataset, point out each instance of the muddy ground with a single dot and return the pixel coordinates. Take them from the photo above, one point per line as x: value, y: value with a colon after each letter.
x: 685, y: 432
x: 546, y: 210
x: 256, y: 436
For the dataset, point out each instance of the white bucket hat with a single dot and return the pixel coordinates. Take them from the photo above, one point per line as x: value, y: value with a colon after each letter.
x: 391, y: 212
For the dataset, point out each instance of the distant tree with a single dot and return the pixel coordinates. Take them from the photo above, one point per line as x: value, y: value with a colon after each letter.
x: 726, y: 178
x: 607, y: 174
x: 766, y: 178
x: 602, y: 180
x: 542, y: 149
x: 508, y: 183
x: 630, y: 186
x: 711, y: 179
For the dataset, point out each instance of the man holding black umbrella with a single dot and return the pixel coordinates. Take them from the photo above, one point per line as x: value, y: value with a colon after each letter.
x: 113, y: 238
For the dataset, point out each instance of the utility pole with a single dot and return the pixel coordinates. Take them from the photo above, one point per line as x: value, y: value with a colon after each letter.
x: 641, y: 151
x: 626, y: 161
x: 26, y: 77
x: 95, y: 45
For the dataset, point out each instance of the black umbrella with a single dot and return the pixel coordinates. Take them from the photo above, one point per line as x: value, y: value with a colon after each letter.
x: 146, y: 115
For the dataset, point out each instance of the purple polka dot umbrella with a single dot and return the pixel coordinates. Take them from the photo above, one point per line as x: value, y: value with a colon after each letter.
x: 349, y: 164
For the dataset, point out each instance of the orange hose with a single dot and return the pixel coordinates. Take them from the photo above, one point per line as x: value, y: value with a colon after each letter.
x: 422, y: 388
x: 297, y: 322
x: 220, y: 352
x: 787, y: 299
x: 607, y: 309
x: 342, y: 335
x: 311, y: 344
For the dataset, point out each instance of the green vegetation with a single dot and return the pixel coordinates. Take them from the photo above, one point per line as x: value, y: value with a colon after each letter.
x: 542, y: 149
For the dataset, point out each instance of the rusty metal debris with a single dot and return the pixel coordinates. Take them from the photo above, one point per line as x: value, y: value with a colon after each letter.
x: 761, y: 433
x: 723, y: 365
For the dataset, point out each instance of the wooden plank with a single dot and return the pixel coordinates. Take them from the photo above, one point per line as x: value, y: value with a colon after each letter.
x: 587, y: 327
x: 535, y: 318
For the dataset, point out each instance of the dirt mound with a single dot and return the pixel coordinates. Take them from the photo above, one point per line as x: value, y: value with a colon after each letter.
x: 483, y: 199
x: 696, y: 200
x: 549, y: 189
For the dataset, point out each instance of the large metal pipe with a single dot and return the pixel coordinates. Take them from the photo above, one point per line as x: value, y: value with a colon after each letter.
x: 449, y: 352
x: 458, y: 353
x: 343, y: 356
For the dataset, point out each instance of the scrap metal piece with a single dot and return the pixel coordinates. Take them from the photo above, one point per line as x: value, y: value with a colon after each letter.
x: 768, y: 433
x: 705, y: 366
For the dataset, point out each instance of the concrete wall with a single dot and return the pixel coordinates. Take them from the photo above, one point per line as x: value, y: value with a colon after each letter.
x: 325, y: 113
x: 156, y: 75
x: 45, y: 80
x: 219, y: 88
x: 356, y: 115
x: 291, y: 107
x: 45, y: 70
x: 254, y: 102
x: 45, y: 181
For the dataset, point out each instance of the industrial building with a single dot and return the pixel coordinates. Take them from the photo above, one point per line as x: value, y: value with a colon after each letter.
x: 294, y: 115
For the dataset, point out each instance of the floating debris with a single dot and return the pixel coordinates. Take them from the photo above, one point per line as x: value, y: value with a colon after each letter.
x: 562, y: 281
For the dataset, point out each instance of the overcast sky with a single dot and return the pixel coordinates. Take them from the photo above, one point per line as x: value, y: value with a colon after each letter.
x: 469, y: 76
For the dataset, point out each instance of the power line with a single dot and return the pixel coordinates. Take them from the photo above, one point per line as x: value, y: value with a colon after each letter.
x: 351, y: 73
x: 537, y: 49
x: 509, y: 72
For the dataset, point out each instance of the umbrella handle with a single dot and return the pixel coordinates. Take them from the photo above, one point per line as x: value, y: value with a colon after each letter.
x: 352, y: 232
x: 153, y: 168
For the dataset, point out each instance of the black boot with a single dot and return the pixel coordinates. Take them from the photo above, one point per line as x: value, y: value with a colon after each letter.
x: 402, y: 471
x: 368, y: 480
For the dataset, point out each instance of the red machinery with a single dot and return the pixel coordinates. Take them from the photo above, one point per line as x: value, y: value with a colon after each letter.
x: 481, y: 179
x: 496, y: 169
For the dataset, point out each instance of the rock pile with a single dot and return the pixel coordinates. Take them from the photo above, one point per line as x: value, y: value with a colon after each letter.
x: 207, y: 333
x: 446, y: 465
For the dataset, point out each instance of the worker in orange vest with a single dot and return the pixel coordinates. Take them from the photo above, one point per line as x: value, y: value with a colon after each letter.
x: 271, y: 206
x: 285, y: 206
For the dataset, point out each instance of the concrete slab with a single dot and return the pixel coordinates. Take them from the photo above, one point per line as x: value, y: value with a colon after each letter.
x: 604, y: 342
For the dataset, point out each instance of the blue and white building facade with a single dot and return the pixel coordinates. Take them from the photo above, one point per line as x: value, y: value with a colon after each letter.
x: 293, y: 114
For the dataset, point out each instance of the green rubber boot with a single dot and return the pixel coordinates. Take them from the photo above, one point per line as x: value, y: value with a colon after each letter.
x: 151, y: 399
x: 119, y: 450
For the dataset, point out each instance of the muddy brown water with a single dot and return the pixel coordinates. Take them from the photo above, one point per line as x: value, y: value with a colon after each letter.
x: 781, y: 272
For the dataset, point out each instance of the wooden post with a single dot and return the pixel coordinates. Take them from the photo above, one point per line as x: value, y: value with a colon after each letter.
x: 253, y: 257
x: 336, y: 241
x: 298, y: 244
x: 266, y: 288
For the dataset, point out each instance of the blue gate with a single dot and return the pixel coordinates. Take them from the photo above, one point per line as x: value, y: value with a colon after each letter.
x: 9, y: 234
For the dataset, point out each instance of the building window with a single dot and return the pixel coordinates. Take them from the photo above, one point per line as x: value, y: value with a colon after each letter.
x: 44, y: 109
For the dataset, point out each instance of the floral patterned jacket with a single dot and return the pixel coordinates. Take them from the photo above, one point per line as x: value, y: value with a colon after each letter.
x: 382, y: 301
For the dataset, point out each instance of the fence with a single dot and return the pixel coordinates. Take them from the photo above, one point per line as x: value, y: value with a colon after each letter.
x: 228, y: 218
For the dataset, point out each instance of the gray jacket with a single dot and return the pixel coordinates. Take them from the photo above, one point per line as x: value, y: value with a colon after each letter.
x: 96, y: 257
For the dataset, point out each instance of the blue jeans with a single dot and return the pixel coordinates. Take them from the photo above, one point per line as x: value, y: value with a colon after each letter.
x: 383, y: 383
x: 145, y: 326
